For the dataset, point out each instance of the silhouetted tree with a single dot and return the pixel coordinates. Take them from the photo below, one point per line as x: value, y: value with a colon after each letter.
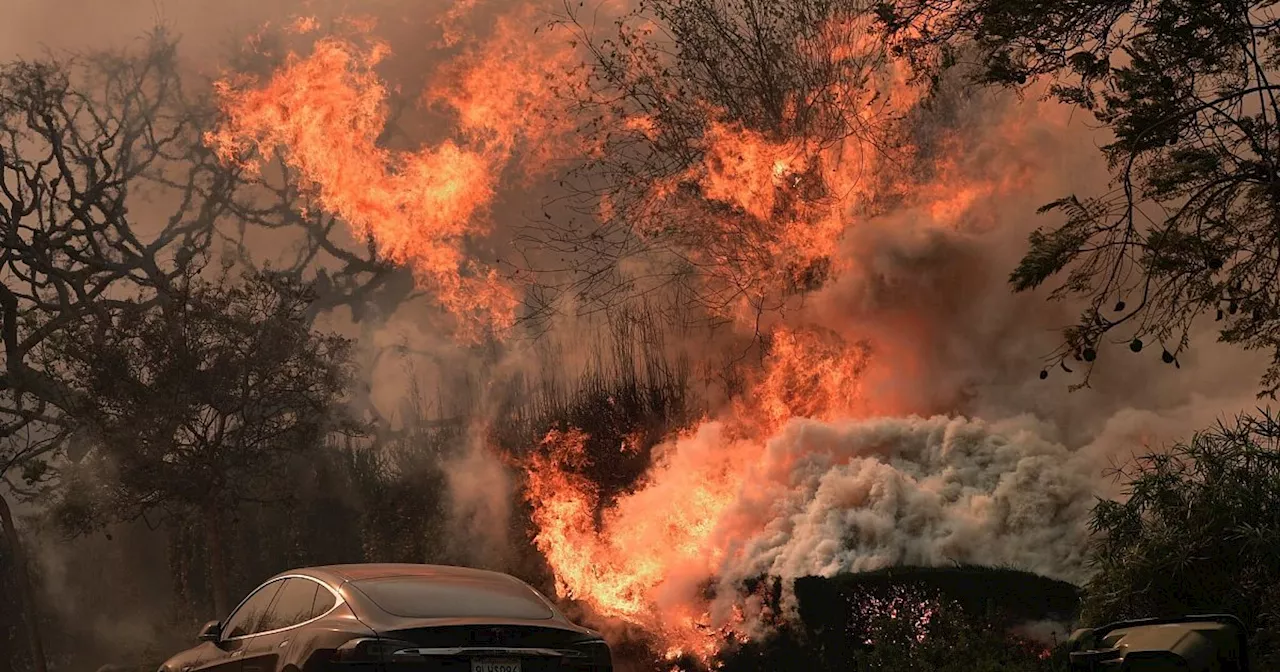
x: 1185, y: 86
x: 77, y: 137
x: 108, y: 195
x: 198, y: 404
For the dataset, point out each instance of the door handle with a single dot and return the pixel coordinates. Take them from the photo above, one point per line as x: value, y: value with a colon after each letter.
x: 237, y: 653
x: 284, y: 643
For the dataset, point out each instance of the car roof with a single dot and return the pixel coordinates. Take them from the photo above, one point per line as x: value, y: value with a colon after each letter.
x: 336, y: 575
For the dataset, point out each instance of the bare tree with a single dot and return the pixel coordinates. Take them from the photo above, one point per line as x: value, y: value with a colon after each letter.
x: 663, y: 99
x: 80, y: 136
x: 1190, y: 226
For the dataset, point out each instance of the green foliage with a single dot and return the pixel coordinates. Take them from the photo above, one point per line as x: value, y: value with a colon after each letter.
x: 1198, y: 532
x: 1185, y: 88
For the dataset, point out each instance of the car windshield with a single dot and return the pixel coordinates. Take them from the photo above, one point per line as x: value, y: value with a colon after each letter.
x: 453, y: 597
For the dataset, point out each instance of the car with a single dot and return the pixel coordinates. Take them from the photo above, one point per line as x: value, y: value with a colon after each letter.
x: 1200, y: 643
x: 394, y: 618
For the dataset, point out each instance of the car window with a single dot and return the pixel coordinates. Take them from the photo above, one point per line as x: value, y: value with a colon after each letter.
x: 426, y: 597
x: 246, y: 619
x: 291, y: 606
x: 323, y: 603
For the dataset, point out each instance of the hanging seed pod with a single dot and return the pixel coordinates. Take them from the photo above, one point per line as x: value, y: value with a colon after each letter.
x: 1136, y: 345
x: 1233, y: 307
x: 1219, y: 318
x: 1119, y: 306
x: 1043, y: 374
x: 1090, y: 354
x: 1167, y: 357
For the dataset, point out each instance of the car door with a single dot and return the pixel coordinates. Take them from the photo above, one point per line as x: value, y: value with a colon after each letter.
x: 267, y: 650
x: 227, y: 653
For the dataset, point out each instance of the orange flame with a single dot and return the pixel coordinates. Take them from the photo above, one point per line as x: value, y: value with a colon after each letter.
x: 645, y: 562
x: 646, y: 557
x: 325, y: 113
x: 503, y: 92
x: 655, y: 550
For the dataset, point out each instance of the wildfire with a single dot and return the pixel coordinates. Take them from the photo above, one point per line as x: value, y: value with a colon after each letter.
x: 656, y: 546
x: 771, y: 209
x: 503, y: 92
x: 808, y: 378
x: 645, y: 543
x: 323, y: 115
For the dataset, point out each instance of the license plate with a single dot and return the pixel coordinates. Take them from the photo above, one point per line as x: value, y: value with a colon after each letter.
x: 495, y: 665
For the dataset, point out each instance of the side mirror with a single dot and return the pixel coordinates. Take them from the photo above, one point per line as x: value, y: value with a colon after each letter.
x: 211, y: 632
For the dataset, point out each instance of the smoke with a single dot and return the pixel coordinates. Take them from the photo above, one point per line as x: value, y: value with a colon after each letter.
x: 818, y: 498
x: 830, y: 498
x: 1050, y: 633
x: 927, y: 286
x: 958, y: 452
x: 948, y: 449
x: 481, y: 491
x: 914, y: 492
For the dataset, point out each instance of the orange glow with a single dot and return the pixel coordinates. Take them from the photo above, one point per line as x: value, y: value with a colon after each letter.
x: 324, y: 113
x: 761, y: 209
x: 503, y: 91
x: 808, y: 378
x: 654, y: 547
x: 304, y: 24
x: 655, y: 550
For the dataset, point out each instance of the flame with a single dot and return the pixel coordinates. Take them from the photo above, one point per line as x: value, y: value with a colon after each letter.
x: 324, y: 113
x: 654, y: 547
x: 771, y: 207
x: 647, y: 557
x: 808, y: 378
x: 644, y: 543
x: 791, y: 192
x: 302, y: 25
x: 503, y: 91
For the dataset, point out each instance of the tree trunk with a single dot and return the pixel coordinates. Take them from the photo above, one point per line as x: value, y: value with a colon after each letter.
x: 26, y: 596
x: 217, y: 560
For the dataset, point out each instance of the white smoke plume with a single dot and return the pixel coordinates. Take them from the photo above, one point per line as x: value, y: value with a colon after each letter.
x: 825, y: 498
x: 829, y: 498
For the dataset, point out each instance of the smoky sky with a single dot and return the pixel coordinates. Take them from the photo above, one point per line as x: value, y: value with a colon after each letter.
x: 932, y: 299
x: 974, y: 347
